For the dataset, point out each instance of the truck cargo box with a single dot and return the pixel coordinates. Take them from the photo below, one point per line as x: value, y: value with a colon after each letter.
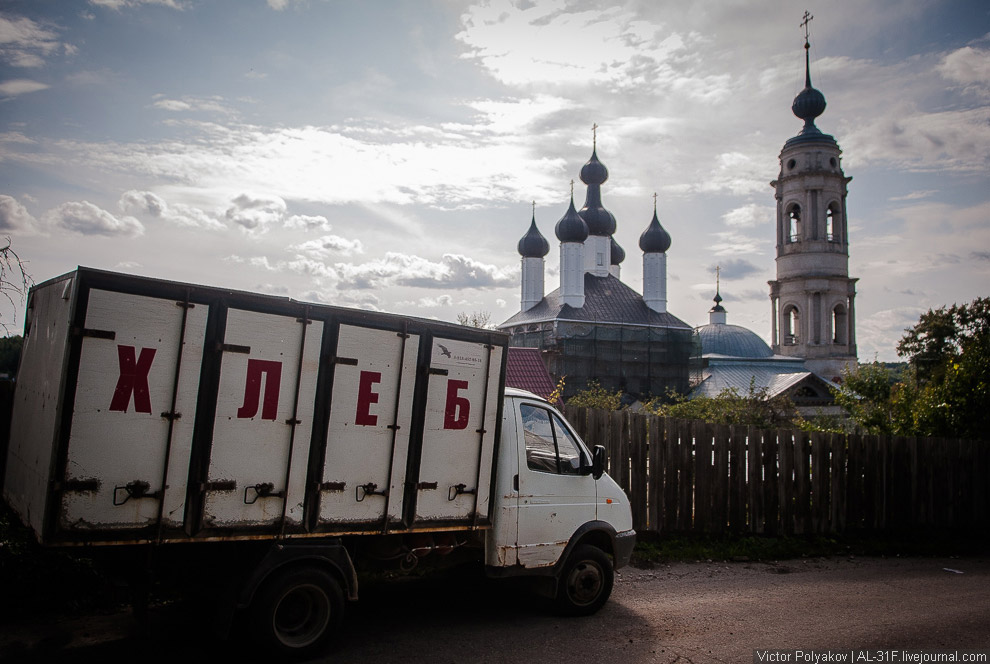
x: 149, y: 410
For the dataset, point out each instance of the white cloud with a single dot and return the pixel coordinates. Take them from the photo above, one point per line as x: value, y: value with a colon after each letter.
x: 118, y: 5
x: 453, y: 271
x: 328, y: 245
x: 969, y: 67
x: 20, y: 86
x: 87, y: 219
x: 153, y: 205
x: 25, y: 43
x: 749, y: 216
x: 14, y: 217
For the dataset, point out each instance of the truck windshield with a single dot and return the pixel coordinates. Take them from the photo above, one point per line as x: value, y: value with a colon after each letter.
x: 550, y: 447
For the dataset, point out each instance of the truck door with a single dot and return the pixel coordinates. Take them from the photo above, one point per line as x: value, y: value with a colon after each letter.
x: 263, y: 420
x: 555, y: 497
x: 127, y: 460
x: 368, y: 437
x: 456, y: 465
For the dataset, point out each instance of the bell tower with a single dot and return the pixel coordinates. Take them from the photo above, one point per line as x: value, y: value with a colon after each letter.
x: 812, y: 298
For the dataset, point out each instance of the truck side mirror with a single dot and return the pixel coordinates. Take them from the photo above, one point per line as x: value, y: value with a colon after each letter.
x: 598, y: 461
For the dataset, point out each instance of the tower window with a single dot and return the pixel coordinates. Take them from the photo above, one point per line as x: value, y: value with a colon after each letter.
x: 831, y: 223
x: 794, y: 223
x: 791, y: 164
x: 840, y: 321
x: 600, y: 259
x: 833, y: 163
x: 792, y: 323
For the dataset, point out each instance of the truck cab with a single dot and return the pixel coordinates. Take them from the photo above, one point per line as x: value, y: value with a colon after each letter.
x: 553, y: 501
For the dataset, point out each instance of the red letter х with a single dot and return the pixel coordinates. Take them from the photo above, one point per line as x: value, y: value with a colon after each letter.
x: 272, y: 369
x: 133, y: 378
x: 458, y: 409
x: 366, y: 397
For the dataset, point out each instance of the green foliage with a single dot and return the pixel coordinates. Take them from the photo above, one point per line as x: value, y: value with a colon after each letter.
x: 10, y: 354
x: 596, y: 396
x: 756, y: 408
x: 946, y: 387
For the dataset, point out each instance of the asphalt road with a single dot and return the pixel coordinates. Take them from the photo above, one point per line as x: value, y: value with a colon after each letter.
x: 683, y: 612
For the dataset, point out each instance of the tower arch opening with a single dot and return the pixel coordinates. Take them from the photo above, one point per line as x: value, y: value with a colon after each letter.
x: 792, y: 324
x: 832, y: 224
x: 792, y: 217
x: 840, y: 324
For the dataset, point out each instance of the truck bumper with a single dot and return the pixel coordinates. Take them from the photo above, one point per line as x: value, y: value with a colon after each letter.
x: 624, y: 543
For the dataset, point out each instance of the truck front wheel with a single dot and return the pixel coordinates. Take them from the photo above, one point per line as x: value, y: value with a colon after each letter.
x: 297, y: 611
x: 586, y: 582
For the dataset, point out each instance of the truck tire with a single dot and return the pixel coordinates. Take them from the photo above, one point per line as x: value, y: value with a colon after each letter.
x: 297, y: 611
x: 586, y: 581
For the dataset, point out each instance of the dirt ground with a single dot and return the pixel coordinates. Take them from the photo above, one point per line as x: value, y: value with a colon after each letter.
x: 683, y: 612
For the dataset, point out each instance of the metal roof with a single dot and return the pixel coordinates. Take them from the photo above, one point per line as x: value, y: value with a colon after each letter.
x: 606, y: 300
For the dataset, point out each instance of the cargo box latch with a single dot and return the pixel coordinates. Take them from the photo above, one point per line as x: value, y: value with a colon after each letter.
x: 135, y: 489
x: 261, y: 490
x: 362, y: 491
x: 458, y: 489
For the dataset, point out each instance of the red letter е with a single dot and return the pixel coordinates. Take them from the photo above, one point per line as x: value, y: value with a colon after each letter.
x: 366, y: 397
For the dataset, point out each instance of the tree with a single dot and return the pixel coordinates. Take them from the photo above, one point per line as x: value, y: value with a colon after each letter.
x: 482, y: 319
x: 14, y: 279
x: 945, y: 390
x: 596, y: 396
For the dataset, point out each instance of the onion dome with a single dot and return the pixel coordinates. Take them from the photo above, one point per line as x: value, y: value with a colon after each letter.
x: 600, y: 221
x: 618, y: 253
x: 594, y: 172
x: 533, y: 244
x: 571, y: 227
x: 654, y: 240
x: 718, y: 308
x: 808, y: 105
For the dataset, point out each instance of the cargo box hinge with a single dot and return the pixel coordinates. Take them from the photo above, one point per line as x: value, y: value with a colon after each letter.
x: 95, y: 334
x: 362, y: 491
x: 261, y: 490
x: 458, y: 489
x: 171, y: 416
x: 135, y: 489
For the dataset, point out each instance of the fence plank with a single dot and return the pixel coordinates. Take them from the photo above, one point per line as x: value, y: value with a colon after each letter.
x: 839, y: 482
x: 655, y: 482
x: 756, y: 495
x: 638, y: 479
x: 685, y: 488
x: 785, y: 481
x: 720, y: 478
x: 671, y: 474
x: 737, y: 479
x: 701, y: 432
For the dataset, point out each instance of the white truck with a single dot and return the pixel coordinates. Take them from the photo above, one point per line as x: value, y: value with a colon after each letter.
x: 302, y: 441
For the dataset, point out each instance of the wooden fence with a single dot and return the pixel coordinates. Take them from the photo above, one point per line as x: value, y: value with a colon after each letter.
x: 692, y: 476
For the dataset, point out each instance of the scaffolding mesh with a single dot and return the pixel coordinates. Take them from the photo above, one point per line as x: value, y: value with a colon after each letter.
x: 642, y: 362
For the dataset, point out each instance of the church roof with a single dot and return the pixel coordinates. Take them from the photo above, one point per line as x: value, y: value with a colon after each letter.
x: 606, y: 300
x: 776, y: 381
x: 732, y: 340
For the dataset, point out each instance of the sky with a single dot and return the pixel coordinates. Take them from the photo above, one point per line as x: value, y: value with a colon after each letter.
x: 387, y: 155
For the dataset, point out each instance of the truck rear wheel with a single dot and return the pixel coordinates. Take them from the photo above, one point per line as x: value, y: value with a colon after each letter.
x: 297, y: 611
x: 586, y: 582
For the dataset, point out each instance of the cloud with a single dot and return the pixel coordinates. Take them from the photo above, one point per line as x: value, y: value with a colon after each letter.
x: 118, y: 5
x: 154, y: 206
x: 87, y: 219
x: 970, y: 68
x: 732, y: 243
x: 328, y: 245
x: 192, y: 104
x: 25, y: 43
x: 735, y: 268
x: 749, y: 216
x: 20, y: 86
x: 14, y: 217
x: 453, y: 271
x: 256, y: 213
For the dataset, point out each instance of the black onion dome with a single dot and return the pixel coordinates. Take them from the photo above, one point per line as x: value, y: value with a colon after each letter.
x: 654, y: 240
x: 718, y: 308
x: 571, y: 227
x: 600, y: 221
x: 809, y: 104
x: 594, y: 172
x: 533, y: 244
x: 618, y: 253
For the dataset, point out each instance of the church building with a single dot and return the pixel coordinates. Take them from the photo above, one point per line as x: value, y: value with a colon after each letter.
x: 594, y: 327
